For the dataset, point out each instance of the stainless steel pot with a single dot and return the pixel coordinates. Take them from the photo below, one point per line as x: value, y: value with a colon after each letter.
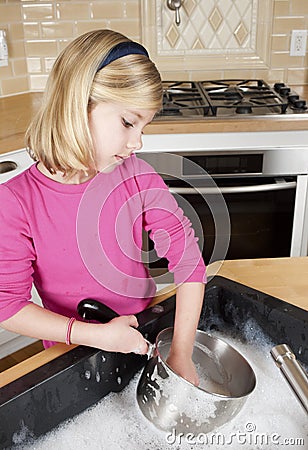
x: 169, y: 401
x: 173, y: 404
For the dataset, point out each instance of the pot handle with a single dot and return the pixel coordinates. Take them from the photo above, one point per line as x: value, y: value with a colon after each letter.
x: 90, y: 309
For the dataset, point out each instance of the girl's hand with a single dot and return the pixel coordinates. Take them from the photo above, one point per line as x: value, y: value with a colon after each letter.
x: 120, y: 335
x: 183, y: 365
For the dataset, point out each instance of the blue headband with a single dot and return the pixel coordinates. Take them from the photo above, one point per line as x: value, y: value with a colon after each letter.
x: 123, y: 49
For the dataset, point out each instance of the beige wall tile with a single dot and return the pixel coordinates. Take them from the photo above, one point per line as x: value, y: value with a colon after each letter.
x: 285, y: 60
x: 16, y: 49
x: 53, y: 30
x: 6, y: 71
x: 38, y: 82
x: 107, y: 9
x: 261, y: 74
x: 83, y: 27
x: 63, y: 43
x: 206, y: 75
x: 281, y: 8
x: 283, y: 25
x: 38, y: 11
x: 169, y: 75
x: 10, y: 13
x: 299, y: 7
x: 132, y: 9
x: 31, y: 30
x: 15, y: 31
x: 20, y: 67
x: 34, y: 65
x: 13, y: 85
x: 276, y: 75
x: 73, y: 10
x: 239, y: 73
x: 280, y: 42
x: 297, y: 76
x: 41, y: 48
x: 49, y: 62
x: 128, y: 27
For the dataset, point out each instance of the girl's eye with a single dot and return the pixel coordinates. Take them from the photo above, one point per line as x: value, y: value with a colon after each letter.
x: 126, y: 123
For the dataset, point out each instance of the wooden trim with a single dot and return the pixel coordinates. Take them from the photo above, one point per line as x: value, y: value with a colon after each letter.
x: 281, y: 122
x: 163, y: 294
x: 36, y: 361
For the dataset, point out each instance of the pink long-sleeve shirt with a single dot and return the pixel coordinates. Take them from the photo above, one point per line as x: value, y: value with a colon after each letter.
x: 77, y: 241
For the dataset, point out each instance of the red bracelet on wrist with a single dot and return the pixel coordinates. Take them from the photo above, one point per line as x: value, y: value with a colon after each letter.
x: 69, y: 330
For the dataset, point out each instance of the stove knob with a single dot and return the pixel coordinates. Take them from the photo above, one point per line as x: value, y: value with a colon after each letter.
x: 292, y: 97
x: 299, y: 104
x: 284, y: 91
x: 278, y: 86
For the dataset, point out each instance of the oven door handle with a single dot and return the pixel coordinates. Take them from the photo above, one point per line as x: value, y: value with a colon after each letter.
x: 279, y: 185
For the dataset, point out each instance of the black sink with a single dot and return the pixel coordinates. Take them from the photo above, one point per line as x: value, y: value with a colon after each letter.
x: 64, y: 387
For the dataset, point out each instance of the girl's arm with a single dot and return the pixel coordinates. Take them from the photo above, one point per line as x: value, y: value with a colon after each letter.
x: 189, y: 299
x: 119, y: 335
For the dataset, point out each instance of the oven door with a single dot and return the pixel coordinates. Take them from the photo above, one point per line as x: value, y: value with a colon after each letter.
x: 260, y: 213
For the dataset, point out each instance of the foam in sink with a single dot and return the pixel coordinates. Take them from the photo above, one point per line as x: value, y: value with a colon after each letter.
x: 271, y: 417
x: 74, y: 382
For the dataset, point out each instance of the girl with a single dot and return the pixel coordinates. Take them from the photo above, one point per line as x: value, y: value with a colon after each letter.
x: 72, y: 223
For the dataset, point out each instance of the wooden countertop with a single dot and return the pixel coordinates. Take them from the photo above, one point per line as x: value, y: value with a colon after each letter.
x: 285, y: 278
x: 17, y: 111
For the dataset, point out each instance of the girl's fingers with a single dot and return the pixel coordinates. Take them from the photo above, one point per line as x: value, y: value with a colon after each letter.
x: 132, y: 321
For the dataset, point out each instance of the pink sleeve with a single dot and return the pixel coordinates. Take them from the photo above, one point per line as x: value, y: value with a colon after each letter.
x: 16, y: 256
x: 171, y: 231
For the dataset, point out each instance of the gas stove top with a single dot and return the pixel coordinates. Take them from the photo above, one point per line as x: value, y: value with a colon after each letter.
x: 227, y: 98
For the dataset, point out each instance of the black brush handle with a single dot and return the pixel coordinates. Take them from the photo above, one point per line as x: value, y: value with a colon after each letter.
x: 90, y: 309
x: 148, y: 319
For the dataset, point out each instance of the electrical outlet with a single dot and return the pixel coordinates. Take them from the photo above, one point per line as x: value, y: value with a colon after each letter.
x: 298, y: 43
x: 3, y: 49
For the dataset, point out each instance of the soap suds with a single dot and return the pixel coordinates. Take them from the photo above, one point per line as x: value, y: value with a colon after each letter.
x: 271, y: 417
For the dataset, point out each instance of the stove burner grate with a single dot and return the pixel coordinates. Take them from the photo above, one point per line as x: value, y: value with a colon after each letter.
x: 243, y: 96
x: 183, y: 98
x: 190, y: 99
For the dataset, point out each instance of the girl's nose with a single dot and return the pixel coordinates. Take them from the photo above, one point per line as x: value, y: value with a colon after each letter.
x: 134, y: 144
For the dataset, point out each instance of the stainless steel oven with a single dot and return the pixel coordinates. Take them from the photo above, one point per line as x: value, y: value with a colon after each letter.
x: 244, y: 202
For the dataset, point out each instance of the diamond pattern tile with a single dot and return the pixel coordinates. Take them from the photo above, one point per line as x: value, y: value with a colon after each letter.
x: 172, y: 35
x: 215, y: 18
x: 241, y: 33
x: 208, y: 27
x: 198, y: 45
x: 189, y: 6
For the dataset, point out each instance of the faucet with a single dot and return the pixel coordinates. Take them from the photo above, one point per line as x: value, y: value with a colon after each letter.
x: 175, y: 5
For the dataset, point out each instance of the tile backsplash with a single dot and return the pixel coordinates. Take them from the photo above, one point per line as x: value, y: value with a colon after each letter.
x: 38, y: 30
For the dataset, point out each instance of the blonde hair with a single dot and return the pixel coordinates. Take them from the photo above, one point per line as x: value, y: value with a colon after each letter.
x: 59, y: 135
